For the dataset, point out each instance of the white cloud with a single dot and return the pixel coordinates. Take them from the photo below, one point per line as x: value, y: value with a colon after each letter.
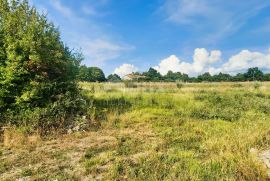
x: 171, y: 63
x: 125, y: 69
x: 202, y: 60
x: 246, y: 59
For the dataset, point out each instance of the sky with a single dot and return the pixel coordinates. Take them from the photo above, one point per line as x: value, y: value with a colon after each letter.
x: 188, y: 36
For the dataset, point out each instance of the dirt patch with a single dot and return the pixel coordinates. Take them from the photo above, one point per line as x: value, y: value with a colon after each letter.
x: 265, y: 158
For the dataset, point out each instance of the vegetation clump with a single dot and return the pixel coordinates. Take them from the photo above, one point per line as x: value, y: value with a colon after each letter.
x: 91, y: 74
x: 37, y: 71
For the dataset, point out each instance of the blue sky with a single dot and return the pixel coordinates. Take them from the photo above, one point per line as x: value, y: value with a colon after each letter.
x: 191, y: 36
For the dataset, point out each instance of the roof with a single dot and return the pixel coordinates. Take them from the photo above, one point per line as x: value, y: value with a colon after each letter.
x: 134, y: 76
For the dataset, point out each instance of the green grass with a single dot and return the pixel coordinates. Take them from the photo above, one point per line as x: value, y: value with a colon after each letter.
x: 161, y: 131
x: 203, y: 134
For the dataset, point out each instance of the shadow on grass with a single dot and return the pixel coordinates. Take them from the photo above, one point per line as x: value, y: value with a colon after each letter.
x: 119, y: 105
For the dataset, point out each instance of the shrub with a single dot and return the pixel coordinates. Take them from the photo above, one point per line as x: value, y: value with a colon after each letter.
x: 179, y: 85
x: 26, y: 172
x: 38, y: 72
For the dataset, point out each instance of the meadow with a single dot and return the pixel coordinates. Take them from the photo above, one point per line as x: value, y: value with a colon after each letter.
x: 153, y: 131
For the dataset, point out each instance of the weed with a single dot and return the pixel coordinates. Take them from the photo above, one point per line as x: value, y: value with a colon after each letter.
x: 26, y: 172
x: 257, y: 85
x: 179, y: 85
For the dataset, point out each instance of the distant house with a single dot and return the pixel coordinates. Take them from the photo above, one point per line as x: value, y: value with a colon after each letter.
x: 133, y: 77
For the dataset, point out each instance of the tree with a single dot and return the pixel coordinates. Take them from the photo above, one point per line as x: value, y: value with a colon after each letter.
x: 239, y: 77
x: 91, y: 74
x: 205, y: 77
x: 36, y: 67
x: 254, y: 74
x: 114, y: 78
x: 152, y: 75
x: 185, y: 78
x: 97, y: 74
x: 171, y: 76
x: 84, y: 73
x: 267, y: 77
x: 221, y: 77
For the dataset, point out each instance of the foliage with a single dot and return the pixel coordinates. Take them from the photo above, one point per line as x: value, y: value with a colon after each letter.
x: 91, y: 74
x: 152, y: 75
x: 252, y: 74
x: 175, y: 76
x: 38, y: 72
x: 114, y: 78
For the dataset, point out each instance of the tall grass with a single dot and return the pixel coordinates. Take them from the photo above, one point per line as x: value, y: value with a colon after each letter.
x: 202, y: 131
x: 165, y: 131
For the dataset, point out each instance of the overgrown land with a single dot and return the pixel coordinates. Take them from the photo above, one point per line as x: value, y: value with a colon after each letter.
x: 57, y: 125
x: 153, y: 132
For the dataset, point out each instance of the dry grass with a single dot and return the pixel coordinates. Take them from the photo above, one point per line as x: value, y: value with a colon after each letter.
x: 14, y: 138
x: 154, y: 132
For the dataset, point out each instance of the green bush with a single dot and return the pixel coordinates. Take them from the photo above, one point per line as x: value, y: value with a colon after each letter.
x: 37, y: 71
x: 55, y: 116
x: 179, y: 85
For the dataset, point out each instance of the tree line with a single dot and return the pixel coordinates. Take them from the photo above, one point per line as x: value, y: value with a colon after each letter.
x: 94, y: 74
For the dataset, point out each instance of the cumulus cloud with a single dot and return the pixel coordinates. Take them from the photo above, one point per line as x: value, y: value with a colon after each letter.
x: 125, y: 69
x: 204, y: 61
x: 246, y: 59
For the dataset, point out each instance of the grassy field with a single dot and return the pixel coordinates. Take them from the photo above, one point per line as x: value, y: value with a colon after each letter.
x: 153, y: 131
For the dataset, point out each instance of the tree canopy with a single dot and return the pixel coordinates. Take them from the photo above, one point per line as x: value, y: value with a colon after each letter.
x: 91, y: 74
x: 35, y: 65
x: 254, y: 74
x: 114, y: 78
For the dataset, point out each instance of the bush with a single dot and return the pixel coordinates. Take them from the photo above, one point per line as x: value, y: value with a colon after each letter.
x: 37, y: 71
x: 179, y: 85
x: 58, y: 115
